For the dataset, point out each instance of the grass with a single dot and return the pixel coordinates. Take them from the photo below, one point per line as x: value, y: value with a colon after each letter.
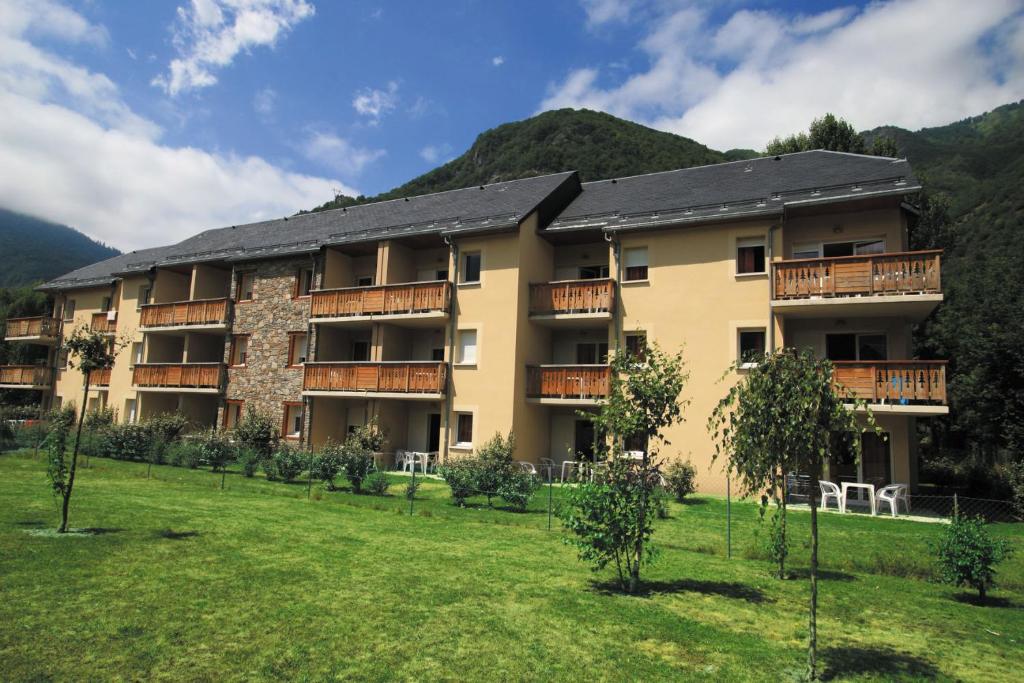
x: 173, y: 579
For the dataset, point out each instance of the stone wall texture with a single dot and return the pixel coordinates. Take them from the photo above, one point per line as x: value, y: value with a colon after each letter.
x: 266, y: 381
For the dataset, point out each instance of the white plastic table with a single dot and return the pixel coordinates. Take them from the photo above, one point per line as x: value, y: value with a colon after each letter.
x: 870, y: 488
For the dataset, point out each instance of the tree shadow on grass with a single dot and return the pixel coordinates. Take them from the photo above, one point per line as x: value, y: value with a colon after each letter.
x: 725, y: 589
x: 850, y: 660
x: 173, y: 535
x: 33, y: 523
x: 690, y: 501
x: 98, y: 530
x: 990, y: 601
x: 826, y: 574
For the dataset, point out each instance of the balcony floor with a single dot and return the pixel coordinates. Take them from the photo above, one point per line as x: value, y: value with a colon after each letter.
x: 428, y: 319
x: 36, y: 339
x: 573, y: 320
x: 182, y: 329
x: 910, y: 410
x: 376, y: 394
x: 915, y: 307
x: 177, y: 390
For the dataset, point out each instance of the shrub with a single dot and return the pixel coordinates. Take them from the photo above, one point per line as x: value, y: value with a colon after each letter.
x: 356, y: 462
x: 776, y: 543
x: 370, y: 436
x: 327, y: 464
x: 164, y: 429
x: 377, y: 484
x: 215, y: 449
x: 495, y: 465
x: 659, y: 502
x: 460, y: 476
x: 60, y: 421
x: 124, y: 442
x: 411, y: 488
x: 1015, y: 474
x: 679, y: 479
x: 288, y: 463
x: 249, y: 459
x: 517, y: 488
x: 7, y: 439
x: 185, y: 453
x: 967, y: 555
x: 257, y: 432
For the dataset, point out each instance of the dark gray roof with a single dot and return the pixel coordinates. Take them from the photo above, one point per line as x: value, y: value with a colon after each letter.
x: 483, y: 208
x: 726, y: 191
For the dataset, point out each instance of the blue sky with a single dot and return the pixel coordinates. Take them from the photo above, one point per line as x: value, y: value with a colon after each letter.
x: 143, y: 122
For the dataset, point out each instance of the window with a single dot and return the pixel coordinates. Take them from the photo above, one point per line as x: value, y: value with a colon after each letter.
x: 635, y: 261
x: 635, y: 442
x: 849, y: 346
x: 145, y: 292
x: 593, y: 272
x: 464, y: 429
x: 360, y: 350
x: 105, y: 305
x: 806, y: 251
x: 364, y: 281
x: 441, y: 274
x: 232, y: 413
x: 854, y: 248
x: 63, y: 359
x: 752, y: 347
x: 298, y: 348
x: 303, y: 282
x: 467, y: 347
x: 129, y: 411
x: 592, y: 353
x: 239, y: 349
x: 437, y: 354
x: 292, y: 428
x: 471, y: 267
x: 136, y: 353
x: 636, y: 345
x: 246, y: 285
x: 750, y: 256
x: 69, y: 310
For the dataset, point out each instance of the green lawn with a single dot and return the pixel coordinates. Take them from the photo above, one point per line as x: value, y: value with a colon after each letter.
x: 182, y: 581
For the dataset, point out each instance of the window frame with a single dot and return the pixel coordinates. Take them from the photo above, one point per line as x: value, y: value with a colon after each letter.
x: 360, y: 281
x: 144, y: 296
x: 369, y: 350
x: 460, y: 358
x: 757, y: 242
x: 292, y: 344
x: 464, y: 270
x: 300, y: 282
x: 242, y: 274
x: 287, y: 407
x: 643, y: 276
x: 457, y: 441
x: 228, y: 405
x: 64, y: 310
x: 763, y: 331
x: 138, y: 354
x: 857, y: 344
x: 636, y: 334
x: 235, y: 338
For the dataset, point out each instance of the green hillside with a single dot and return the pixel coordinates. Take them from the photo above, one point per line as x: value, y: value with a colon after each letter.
x: 597, y: 145
x: 32, y: 250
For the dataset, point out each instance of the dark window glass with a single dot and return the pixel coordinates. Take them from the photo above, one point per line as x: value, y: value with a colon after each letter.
x: 636, y: 345
x: 636, y: 273
x: 465, y: 428
x: 751, y: 346
x: 750, y: 259
x: 360, y: 351
x: 841, y: 346
x: 472, y: 270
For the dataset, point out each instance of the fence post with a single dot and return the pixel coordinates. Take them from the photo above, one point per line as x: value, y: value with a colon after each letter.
x: 550, y: 467
x: 309, y: 479
x: 223, y: 474
x: 412, y: 498
x: 728, y: 517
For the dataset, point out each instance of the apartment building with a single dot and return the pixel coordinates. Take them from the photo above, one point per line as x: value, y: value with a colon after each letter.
x: 453, y: 316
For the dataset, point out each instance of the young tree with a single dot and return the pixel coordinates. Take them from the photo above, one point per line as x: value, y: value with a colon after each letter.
x: 610, y: 518
x: 87, y: 351
x: 785, y: 416
x: 967, y: 555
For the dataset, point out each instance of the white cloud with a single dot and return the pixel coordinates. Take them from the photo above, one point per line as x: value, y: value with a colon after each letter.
x: 49, y: 18
x: 72, y: 151
x: 376, y: 103
x: 498, y: 61
x: 338, y: 154
x: 911, y: 63
x: 264, y: 102
x: 605, y: 11
x: 435, y: 153
x: 209, y: 34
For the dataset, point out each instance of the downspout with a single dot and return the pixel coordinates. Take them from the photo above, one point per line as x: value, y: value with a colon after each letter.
x: 453, y: 278
x: 616, y: 312
x: 769, y: 254
x: 307, y: 401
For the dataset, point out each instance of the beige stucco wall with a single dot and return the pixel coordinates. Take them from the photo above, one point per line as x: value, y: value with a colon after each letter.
x: 887, y: 224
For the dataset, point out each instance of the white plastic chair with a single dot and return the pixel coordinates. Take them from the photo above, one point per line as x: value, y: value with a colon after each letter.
x: 893, y: 494
x: 634, y: 455
x: 527, y: 467
x: 400, y: 458
x: 830, y: 490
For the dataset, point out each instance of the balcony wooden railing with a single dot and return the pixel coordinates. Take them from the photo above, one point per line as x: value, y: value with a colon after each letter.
x: 428, y: 377
x: 100, y: 378
x: 26, y: 375
x: 912, y: 272
x: 100, y: 323
x: 572, y: 296
x: 567, y: 381
x: 178, y: 375
x: 31, y: 327
x: 185, y: 313
x: 893, y: 381
x: 411, y: 297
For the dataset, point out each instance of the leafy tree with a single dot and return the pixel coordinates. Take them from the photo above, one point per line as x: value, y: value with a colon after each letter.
x: 327, y: 464
x: 834, y: 134
x: 494, y: 465
x: 783, y: 416
x: 884, y: 146
x: 967, y: 555
x: 257, y: 431
x: 517, y: 488
x: 643, y: 401
x: 679, y: 479
x: 87, y: 351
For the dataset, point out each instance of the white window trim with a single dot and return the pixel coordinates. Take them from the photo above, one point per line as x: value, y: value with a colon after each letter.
x: 857, y: 334
x: 463, y: 445
x: 476, y: 347
x: 749, y: 328
x: 820, y: 244
x: 625, y: 264
x: 462, y: 268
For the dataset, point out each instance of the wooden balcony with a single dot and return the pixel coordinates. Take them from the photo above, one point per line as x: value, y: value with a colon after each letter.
x: 42, y: 330
x: 409, y: 301
x: 102, y: 324
x: 25, y: 377
x: 907, y: 283
x: 414, y: 379
x: 178, y: 377
x: 196, y: 313
x: 903, y: 385
x: 567, y: 383
x: 572, y: 300
x: 100, y: 378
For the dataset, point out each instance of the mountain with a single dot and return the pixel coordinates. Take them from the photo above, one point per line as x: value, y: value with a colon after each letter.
x: 596, y: 144
x: 32, y: 250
